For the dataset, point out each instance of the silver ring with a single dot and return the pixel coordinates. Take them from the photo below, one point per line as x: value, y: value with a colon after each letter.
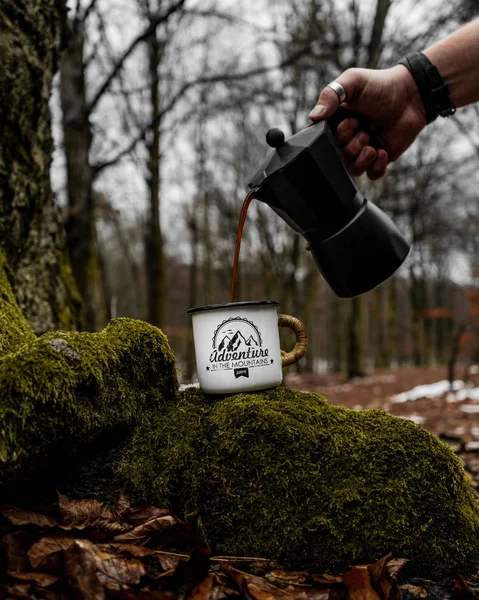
x: 339, y: 90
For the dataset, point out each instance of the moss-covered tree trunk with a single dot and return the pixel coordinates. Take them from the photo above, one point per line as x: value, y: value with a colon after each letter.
x: 30, y: 230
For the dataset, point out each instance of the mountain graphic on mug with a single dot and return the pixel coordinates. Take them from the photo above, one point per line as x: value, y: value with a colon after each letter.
x: 237, y: 341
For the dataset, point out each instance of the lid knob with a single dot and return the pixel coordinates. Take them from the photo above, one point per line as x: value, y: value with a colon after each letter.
x: 275, y: 138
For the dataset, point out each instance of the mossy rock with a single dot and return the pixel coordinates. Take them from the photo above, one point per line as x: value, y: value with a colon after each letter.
x: 62, y: 391
x: 284, y: 475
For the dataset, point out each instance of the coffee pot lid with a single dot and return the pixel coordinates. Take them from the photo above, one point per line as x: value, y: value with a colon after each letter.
x: 286, y: 151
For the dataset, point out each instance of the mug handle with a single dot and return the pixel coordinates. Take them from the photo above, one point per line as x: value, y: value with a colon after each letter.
x: 288, y: 358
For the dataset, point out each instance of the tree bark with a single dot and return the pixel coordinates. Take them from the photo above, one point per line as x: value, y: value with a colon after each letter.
x: 30, y: 230
x: 80, y: 221
x: 374, y: 47
x: 354, y: 341
x: 154, y: 254
x: 381, y: 323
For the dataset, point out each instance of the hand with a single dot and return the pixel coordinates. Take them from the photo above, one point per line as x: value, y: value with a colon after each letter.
x: 390, y: 109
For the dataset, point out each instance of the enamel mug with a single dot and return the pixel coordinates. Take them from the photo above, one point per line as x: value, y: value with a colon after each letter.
x: 237, y: 346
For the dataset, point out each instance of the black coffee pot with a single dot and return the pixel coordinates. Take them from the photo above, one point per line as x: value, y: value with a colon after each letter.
x: 306, y: 182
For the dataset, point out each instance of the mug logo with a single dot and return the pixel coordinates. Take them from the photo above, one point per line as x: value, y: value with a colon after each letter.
x: 242, y: 372
x: 237, y: 345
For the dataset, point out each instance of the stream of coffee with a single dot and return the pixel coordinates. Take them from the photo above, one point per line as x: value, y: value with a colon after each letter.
x: 239, y: 235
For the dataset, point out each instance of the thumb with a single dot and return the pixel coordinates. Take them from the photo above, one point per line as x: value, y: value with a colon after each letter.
x: 327, y: 105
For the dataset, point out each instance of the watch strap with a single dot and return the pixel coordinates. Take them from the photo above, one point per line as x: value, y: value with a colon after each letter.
x: 433, y: 90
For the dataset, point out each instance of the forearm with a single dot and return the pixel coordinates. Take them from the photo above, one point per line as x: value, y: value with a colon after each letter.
x: 457, y: 59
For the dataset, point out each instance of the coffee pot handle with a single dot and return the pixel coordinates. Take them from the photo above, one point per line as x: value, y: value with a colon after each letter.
x: 340, y: 114
x: 343, y: 113
x: 288, y: 358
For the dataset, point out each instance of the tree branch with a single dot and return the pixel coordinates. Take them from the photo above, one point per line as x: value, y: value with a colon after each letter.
x: 231, y: 19
x: 374, y: 47
x: 149, y: 31
x: 99, y: 167
x: 220, y: 78
x: 230, y: 77
x: 88, y: 10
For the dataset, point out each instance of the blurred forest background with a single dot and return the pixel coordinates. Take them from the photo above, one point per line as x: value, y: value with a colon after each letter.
x: 160, y: 110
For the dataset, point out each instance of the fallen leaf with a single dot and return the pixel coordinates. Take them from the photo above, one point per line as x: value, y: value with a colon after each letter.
x: 462, y: 591
x: 16, y: 545
x: 168, y: 561
x: 130, y: 549
x: 327, y: 579
x: 382, y: 581
x: 81, y: 511
x: 288, y: 577
x: 298, y: 584
x: 306, y: 592
x: 21, y: 516
x: 359, y: 585
x: 16, y: 589
x: 46, y: 554
x: 118, y: 572
x: 112, y: 570
x: 146, y: 530
x: 80, y: 514
x: 40, y: 579
x: 134, y: 594
x: 395, y: 565
x: 81, y: 572
x: 259, y: 593
x: 122, y: 507
x: 111, y: 526
x: 203, y: 590
x: 256, y: 587
x: 415, y: 590
x: 138, y: 515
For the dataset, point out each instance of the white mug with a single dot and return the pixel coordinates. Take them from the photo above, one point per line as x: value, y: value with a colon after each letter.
x: 237, y: 346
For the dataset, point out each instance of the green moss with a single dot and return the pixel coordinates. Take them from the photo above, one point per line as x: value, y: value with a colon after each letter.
x: 284, y: 475
x: 64, y: 390
x: 14, y: 329
x: 70, y: 314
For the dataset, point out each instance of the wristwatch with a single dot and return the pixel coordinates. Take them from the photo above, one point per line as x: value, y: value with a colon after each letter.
x: 432, y: 88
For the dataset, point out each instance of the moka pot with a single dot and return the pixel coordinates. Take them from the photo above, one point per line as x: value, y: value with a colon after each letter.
x: 306, y: 181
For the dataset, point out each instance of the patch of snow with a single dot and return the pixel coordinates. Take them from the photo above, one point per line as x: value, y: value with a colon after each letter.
x: 414, y: 418
x: 459, y: 392
x: 185, y: 386
x: 429, y: 390
x: 467, y: 394
x: 470, y: 408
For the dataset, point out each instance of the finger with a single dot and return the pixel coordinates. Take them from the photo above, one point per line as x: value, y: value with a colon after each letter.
x: 353, y: 150
x: 353, y: 82
x: 364, y: 161
x: 326, y: 106
x: 346, y: 130
x: 379, y: 166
